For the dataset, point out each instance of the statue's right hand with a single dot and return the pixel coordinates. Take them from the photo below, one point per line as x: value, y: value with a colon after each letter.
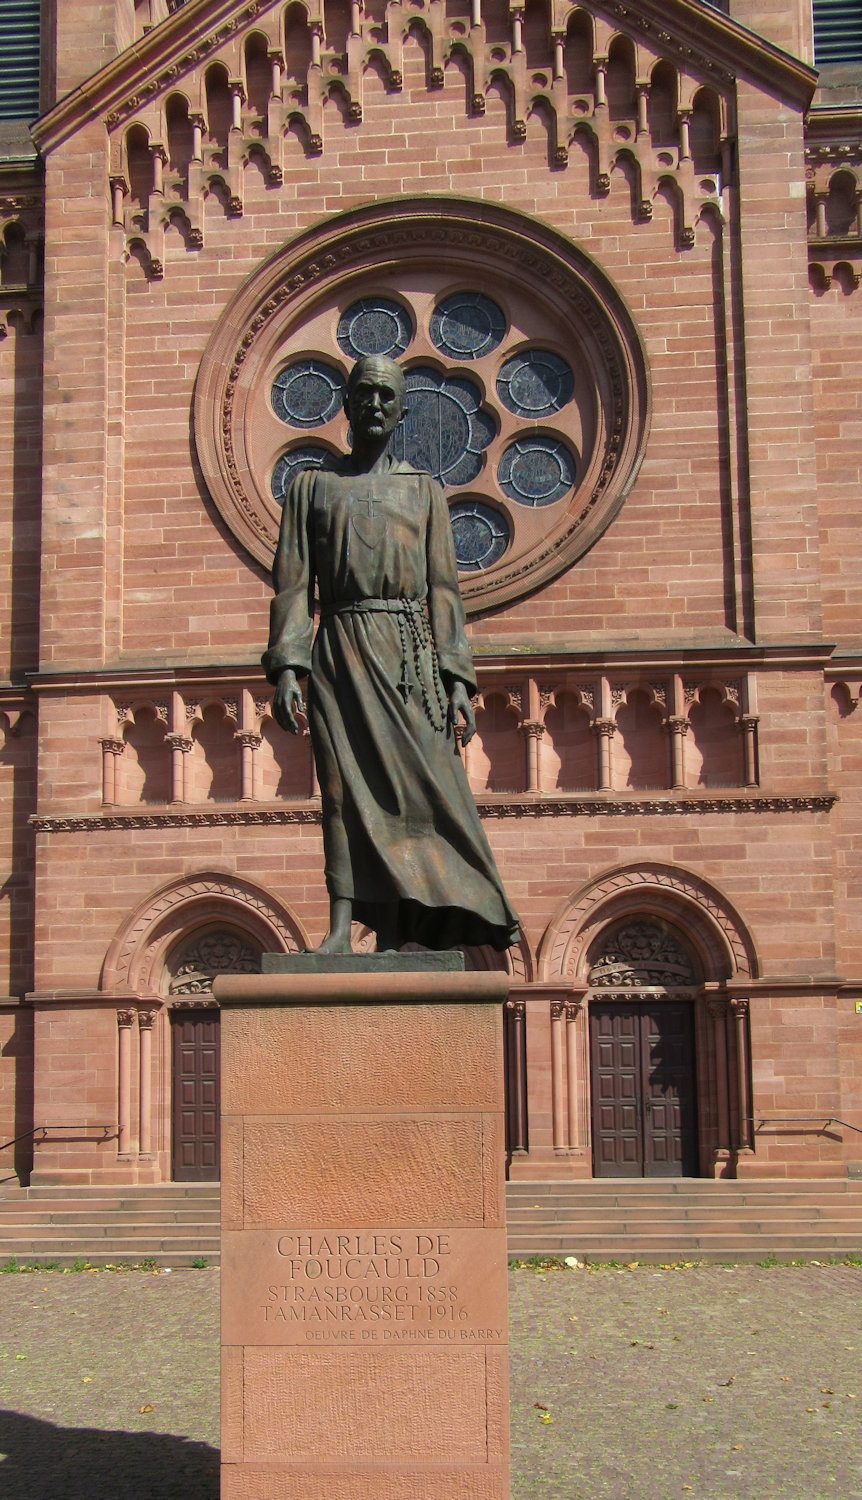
x: 287, y: 701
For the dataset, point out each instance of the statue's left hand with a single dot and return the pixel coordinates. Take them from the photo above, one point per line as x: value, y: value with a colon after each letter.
x: 461, y: 707
x: 287, y: 701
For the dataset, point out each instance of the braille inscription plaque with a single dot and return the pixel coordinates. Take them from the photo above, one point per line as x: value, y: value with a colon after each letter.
x: 365, y: 1287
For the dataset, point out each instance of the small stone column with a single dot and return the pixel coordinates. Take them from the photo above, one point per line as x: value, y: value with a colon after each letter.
x: 533, y: 731
x: 145, y: 1101
x: 604, y: 730
x: 112, y: 749
x: 739, y: 1011
x: 180, y: 746
x: 125, y: 1021
x: 364, y: 1322
x: 748, y: 729
x: 677, y: 727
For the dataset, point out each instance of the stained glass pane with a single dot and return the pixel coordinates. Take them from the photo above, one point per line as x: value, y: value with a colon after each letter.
x: 481, y: 535
x: 444, y: 431
x: 467, y: 325
x: 308, y: 393
x: 536, y: 471
x: 309, y: 456
x: 535, y: 384
x: 374, y: 325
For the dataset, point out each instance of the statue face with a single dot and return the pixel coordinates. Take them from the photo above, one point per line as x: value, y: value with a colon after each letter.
x: 375, y: 400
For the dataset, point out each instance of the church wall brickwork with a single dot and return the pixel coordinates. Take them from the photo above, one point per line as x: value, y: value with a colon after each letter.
x: 664, y: 726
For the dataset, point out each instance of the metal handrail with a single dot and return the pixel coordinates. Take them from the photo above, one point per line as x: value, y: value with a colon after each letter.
x: 802, y: 1120
x: 25, y: 1136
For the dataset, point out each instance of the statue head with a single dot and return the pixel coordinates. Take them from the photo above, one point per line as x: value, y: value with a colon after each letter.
x: 375, y: 399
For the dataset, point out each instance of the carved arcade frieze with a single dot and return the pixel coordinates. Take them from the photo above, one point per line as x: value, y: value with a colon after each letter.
x: 640, y: 101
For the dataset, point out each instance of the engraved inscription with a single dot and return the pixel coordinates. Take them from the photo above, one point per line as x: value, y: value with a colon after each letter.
x: 369, y: 1286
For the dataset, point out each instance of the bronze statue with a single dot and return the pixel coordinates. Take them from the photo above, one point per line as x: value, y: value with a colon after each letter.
x: 390, y: 677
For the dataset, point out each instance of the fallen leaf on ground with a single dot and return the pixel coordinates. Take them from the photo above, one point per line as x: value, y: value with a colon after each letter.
x: 148, y: 1407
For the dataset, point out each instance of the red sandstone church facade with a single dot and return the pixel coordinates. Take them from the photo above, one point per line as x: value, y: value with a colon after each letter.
x: 617, y: 250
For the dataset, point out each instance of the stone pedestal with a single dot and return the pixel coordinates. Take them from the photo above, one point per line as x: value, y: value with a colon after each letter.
x: 364, y: 1321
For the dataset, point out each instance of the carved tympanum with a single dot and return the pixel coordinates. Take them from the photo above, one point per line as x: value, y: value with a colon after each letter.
x: 214, y: 953
x: 642, y: 953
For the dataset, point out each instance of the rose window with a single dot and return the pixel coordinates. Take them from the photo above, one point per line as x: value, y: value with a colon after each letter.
x: 525, y: 380
x: 451, y: 425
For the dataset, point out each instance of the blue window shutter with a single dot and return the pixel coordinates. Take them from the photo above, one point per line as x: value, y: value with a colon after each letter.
x: 837, y: 31
x: 19, y: 59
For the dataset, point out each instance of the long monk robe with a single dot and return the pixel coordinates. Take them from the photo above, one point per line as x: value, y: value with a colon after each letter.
x: 402, y: 837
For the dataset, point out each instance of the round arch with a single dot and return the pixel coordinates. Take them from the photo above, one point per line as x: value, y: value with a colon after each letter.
x: 715, y: 930
x: 136, y: 958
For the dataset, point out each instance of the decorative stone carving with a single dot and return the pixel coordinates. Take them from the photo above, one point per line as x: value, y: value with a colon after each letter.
x: 136, y: 958
x: 642, y: 953
x: 215, y: 953
x: 524, y: 805
x: 677, y: 894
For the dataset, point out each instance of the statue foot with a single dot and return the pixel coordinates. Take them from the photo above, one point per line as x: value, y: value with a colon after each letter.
x: 337, y: 939
x: 334, y: 942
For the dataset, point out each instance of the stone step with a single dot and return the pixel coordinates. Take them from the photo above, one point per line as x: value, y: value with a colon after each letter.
x: 664, y: 1247
x: 684, y: 1184
x: 163, y: 1249
x: 670, y: 1213
x: 712, y: 1193
x: 115, y: 1231
x: 163, y: 1192
x: 628, y: 1219
x: 171, y: 1223
x: 647, y: 1220
x: 164, y: 1214
x: 693, y: 1228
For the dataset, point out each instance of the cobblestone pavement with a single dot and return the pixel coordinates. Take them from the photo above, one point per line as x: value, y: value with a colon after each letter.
x: 626, y: 1384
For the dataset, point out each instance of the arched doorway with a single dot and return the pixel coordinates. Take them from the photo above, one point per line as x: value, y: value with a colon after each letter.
x: 644, y: 980
x: 162, y: 964
x: 196, y: 1045
x: 647, y: 969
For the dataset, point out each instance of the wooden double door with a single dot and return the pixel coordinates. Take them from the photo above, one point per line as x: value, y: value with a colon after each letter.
x: 642, y: 1070
x: 195, y: 1045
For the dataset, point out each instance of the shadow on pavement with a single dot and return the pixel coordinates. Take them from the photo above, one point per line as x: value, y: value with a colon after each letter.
x: 44, y: 1462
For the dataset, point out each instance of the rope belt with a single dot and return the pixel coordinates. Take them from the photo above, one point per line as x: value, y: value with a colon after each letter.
x: 373, y: 607
x: 413, y: 622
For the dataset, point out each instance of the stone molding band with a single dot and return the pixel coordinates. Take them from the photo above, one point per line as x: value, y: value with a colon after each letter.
x: 533, y: 808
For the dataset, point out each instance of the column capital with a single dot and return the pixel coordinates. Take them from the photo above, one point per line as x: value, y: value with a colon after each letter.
x: 678, y: 724
x: 604, y: 727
